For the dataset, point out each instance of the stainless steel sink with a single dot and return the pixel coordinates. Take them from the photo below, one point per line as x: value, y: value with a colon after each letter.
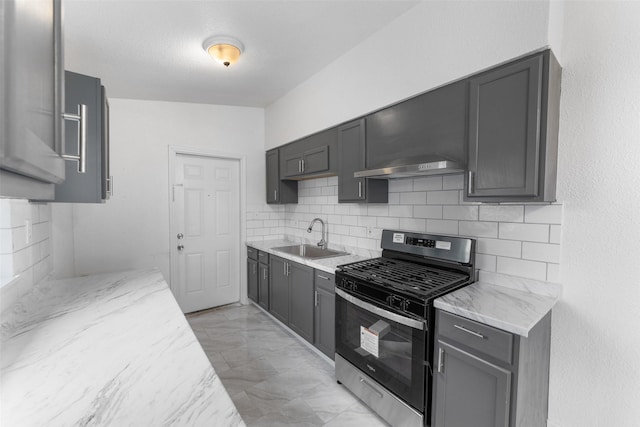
x: 309, y: 251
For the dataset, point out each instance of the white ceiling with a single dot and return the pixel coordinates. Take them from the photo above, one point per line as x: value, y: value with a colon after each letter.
x: 152, y: 49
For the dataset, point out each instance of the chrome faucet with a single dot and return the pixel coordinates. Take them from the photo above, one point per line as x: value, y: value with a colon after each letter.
x: 322, y: 243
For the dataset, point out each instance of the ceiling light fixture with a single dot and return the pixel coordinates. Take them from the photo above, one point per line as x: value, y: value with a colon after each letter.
x: 225, y: 50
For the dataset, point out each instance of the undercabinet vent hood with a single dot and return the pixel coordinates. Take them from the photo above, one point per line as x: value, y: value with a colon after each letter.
x: 413, y: 167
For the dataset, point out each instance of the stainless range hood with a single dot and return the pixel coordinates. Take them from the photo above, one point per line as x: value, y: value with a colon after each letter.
x: 413, y: 167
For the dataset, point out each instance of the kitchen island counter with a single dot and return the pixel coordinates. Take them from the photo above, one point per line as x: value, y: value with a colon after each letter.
x: 110, y: 349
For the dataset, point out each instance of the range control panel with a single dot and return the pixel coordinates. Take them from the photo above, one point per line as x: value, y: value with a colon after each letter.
x: 416, y: 241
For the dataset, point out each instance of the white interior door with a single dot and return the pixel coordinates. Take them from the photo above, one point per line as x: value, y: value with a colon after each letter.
x: 206, y: 203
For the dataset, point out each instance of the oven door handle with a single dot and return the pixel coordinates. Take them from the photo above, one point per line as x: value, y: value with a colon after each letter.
x: 412, y: 323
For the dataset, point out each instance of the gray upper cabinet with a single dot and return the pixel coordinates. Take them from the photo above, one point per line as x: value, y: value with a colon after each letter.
x: 351, y: 158
x: 432, y: 124
x: 487, y: 377
x: 311, y: 157
x: 513, y: 131
x: 278, y: 191
x: 31, y: 89
x: 92, y: 186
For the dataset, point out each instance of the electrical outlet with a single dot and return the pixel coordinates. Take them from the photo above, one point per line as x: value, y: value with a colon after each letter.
x: 28, y: 230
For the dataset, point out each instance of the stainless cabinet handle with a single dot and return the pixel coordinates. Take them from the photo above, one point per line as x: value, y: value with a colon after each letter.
x: 323, y: 277
x: 110, y: 185
x: 440, y: 360
x: 284, y: 265
x: 299, y: 165
x: 264, y: 274
x: 469, y: 331
x: 302, y: 165
x: 470, y: 183
x: 81, y: 157
x: 254, y: 269
x: 359, y: 188
x: 315, y: 299
x: 288, y: 269
x: 275, y: 195
x: 365, y: 382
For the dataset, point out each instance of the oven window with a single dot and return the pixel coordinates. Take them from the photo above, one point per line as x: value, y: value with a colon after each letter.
x: 389, y: 352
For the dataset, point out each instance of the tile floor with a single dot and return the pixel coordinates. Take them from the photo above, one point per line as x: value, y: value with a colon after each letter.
x: 274, y: 379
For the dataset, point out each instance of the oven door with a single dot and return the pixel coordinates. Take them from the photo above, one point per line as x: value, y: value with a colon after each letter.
x: 387, y: 346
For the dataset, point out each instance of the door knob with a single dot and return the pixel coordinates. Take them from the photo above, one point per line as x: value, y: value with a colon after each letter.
x: 180, y: 247
x: 180, y: 235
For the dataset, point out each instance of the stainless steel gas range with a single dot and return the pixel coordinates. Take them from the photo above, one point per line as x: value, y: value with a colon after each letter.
x: 385, y: 320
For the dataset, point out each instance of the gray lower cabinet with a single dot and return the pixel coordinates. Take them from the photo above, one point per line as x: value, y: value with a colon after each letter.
x: 32, y: 87
x: 325, y: 297
x: 279, y: 289
x: 487, y: 377
x: 351, y: 158
x: 301, y: 300
x: 252, y: 279
x: 279, y: 191
x: 263, y: 285
x: 93, y: 185
x: 513, y: 131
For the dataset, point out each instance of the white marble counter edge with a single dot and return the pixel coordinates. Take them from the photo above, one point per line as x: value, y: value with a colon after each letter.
x: 522, y: 302
x: 328, y: 265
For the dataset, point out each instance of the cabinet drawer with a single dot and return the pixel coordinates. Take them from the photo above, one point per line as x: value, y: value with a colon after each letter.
x: 263, y: 257
x: 486, y: 339
x: 252, y: 253
x: 325, y: 280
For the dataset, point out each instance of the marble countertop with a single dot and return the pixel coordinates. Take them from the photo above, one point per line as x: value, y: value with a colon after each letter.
x: 325, y: 264
x: 110, y: 349
x: 509, y: 303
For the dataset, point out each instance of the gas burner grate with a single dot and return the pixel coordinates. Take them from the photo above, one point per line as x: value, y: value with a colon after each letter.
x: 407, y: 276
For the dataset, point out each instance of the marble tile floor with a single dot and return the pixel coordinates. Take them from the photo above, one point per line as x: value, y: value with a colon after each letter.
x: 272, y: 378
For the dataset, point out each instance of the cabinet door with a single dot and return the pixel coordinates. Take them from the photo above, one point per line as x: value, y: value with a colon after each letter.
x: 301, y: 300
x: 315, y: 160
x: 504, y: 130
x: 293, y: 165
x: 32, y: 86
x: 263, y: 285
x: 84, y: 187
x: 468, y: 390
x: 279, y: 191
x: 279, y: 289
x: 351, y: 152
x: 252, y: 279
x: 324, y: 336
x: 430, y: 124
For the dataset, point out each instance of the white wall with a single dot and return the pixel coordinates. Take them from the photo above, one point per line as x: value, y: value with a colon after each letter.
x: 132, y: 229
x: 432, y: 44
x: 595, y: 360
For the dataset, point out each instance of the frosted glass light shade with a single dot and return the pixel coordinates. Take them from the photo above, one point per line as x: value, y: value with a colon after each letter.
x: 225, y: 50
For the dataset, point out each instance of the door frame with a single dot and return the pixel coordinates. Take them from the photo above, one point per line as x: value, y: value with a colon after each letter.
x: 174, y: 151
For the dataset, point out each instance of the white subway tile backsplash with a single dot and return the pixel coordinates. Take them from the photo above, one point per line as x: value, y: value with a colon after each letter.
x: 508, y: 248
x: 424, y: 211
x: 521, y: 240
x: 524, y: 232
x: 404, y: 211
x: 413, y: 224
x: 541, y: 252
x: 388, y: 222
x: 413, y: 198
x: 427, y: 183
x: 547, y: 214
x: 502, y: 213
x: 522, y: 268
x: 448, y: 197
x: 440, y: 226
x: 478, y: 229
x: 469, y: 213
x: 400, y: 185
x: 453, y: 182
x: 555, y: 235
